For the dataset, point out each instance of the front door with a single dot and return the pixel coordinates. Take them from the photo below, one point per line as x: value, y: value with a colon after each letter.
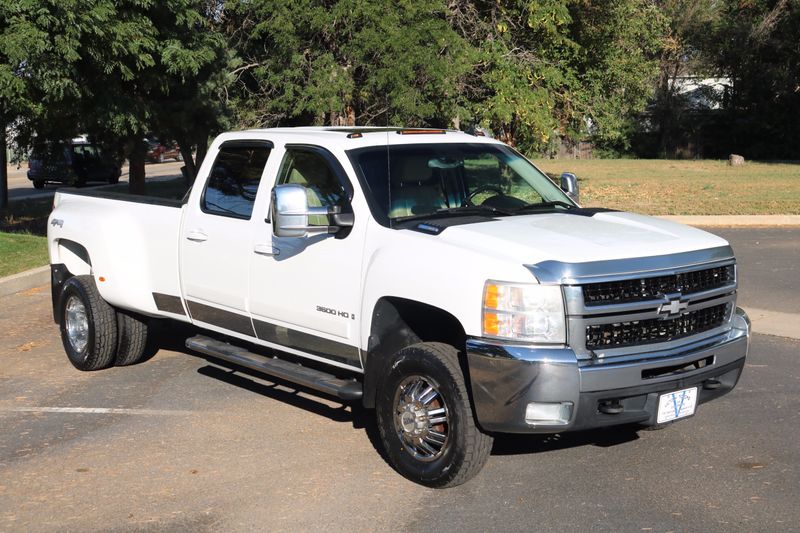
x: 304, y: 291
x: 216, y: 239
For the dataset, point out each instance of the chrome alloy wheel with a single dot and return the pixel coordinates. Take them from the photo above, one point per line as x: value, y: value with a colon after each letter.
x: 77, y: 324
x: 421, y: 418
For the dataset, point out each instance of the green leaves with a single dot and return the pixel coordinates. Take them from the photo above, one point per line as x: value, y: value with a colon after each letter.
x: 333, y: 62
x: 111, y: 68
x: 535, y: 71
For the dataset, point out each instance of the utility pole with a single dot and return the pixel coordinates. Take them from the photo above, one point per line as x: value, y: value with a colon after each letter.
x: 3, y: 171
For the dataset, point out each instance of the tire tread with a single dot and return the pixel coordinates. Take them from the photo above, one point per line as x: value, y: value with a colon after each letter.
x: 131, y: 339
x: 104, y: 324
x: 478, y: 444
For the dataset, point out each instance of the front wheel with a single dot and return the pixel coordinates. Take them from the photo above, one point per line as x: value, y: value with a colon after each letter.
x: 88, y: 325
x: 425, y: 418
x: 38, y: 184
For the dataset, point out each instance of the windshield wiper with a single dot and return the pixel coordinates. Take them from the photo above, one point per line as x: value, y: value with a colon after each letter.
x: 543, y: 205
x: 458, y: 211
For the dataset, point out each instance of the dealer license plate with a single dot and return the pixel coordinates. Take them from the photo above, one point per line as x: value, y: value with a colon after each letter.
x: 675, y: 405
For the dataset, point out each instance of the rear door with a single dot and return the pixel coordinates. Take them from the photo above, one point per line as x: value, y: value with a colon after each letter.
x: 216, y: 239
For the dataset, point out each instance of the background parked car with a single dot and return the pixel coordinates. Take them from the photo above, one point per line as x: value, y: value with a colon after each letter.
x: 74, y: 162
x: 158, y: 152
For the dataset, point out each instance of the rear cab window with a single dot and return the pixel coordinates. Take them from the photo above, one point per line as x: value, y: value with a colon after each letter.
x: 234, y: 178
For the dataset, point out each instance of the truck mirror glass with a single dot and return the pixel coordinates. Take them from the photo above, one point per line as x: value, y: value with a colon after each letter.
x: 569, y: 184
x: 290, y: 212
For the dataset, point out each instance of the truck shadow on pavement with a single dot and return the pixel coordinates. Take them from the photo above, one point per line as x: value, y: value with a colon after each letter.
x: 173, y: 338
x: 528, y: 444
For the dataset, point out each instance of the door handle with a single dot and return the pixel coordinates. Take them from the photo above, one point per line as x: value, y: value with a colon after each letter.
x: 196, y: 236
x: 266, y: 249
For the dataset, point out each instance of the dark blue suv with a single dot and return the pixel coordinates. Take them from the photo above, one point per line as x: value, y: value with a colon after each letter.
x: 76, y: 162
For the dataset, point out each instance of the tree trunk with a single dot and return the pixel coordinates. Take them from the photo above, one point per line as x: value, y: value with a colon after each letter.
x: 136, y: 173
x: 202, y: 148
x: 3, y: 171
x: 188, y: 160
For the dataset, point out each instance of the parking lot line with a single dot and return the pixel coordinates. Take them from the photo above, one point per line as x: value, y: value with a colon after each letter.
x: 94, y: 410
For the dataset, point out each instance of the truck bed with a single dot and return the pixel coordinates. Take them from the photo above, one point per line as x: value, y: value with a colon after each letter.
x: 129, y: 243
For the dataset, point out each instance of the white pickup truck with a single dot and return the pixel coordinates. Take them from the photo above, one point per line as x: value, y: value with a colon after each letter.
x: 435, y: 276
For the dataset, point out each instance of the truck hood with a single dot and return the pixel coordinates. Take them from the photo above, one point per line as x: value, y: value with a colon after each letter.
x: 571, y: 238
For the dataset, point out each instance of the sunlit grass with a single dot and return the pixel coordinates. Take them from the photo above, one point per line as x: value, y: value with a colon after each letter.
x: 20, y: 252
x: 668, y: 187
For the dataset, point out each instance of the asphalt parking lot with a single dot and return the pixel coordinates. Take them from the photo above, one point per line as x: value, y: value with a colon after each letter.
x: 181, y: 444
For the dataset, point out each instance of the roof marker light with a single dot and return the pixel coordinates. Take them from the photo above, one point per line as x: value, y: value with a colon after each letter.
x: 420, y: 132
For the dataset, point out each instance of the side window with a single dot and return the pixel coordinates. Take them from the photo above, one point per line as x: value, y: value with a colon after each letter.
x: 233, y: 182
x: 310, y: 170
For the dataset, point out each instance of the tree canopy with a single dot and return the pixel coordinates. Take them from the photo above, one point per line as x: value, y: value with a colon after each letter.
x: 115, y: 70
x: 535, y: 72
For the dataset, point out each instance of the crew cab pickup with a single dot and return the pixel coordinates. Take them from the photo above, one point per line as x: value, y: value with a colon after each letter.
x: 435, y: 276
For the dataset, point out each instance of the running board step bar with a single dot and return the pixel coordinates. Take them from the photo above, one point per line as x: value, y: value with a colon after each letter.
x: 343, y: 389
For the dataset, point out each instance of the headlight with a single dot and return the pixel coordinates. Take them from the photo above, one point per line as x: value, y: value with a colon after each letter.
x: 526, y: 312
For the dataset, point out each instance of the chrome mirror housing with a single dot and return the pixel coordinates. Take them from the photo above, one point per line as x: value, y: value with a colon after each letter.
x: 569, y: 184
x: 290, y: 212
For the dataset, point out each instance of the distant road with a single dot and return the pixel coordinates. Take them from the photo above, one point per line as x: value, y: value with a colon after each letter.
x: 20, y: 187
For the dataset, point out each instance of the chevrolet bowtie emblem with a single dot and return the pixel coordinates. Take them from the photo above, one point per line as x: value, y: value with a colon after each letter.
x: 673, y: 307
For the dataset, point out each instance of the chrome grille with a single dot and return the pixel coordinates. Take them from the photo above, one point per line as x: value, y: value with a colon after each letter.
x: 643, y: 289
x: 655, y: 330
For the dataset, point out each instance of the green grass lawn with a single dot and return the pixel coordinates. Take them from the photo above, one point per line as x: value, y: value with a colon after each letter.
x: 674, y: 187
x: 20, y: 252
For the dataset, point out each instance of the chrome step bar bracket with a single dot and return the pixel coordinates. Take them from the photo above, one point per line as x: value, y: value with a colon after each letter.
x: 343, y: 389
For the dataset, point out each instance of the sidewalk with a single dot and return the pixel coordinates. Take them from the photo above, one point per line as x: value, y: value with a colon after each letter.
x: 24, y: 280
x: 774, y: 323
x: 735, y: 221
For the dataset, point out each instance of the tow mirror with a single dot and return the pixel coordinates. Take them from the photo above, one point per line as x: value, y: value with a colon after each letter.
x: 569, y: 184
x: 290, y: 212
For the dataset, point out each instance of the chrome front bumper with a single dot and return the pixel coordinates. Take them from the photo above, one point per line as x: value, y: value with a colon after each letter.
x: 506, y: 377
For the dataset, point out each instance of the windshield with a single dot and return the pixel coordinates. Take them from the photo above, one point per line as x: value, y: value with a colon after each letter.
x: 413, y: 181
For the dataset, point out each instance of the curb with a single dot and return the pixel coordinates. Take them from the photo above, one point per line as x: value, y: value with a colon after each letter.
x: 729, y: 221
x: 24, y: 280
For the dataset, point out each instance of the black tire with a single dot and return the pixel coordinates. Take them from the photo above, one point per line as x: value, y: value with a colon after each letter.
x: 38, y: 184
x: 465, y: 449
x: 100, y: 325
x: 113, y: 180
x: 131, y: 339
